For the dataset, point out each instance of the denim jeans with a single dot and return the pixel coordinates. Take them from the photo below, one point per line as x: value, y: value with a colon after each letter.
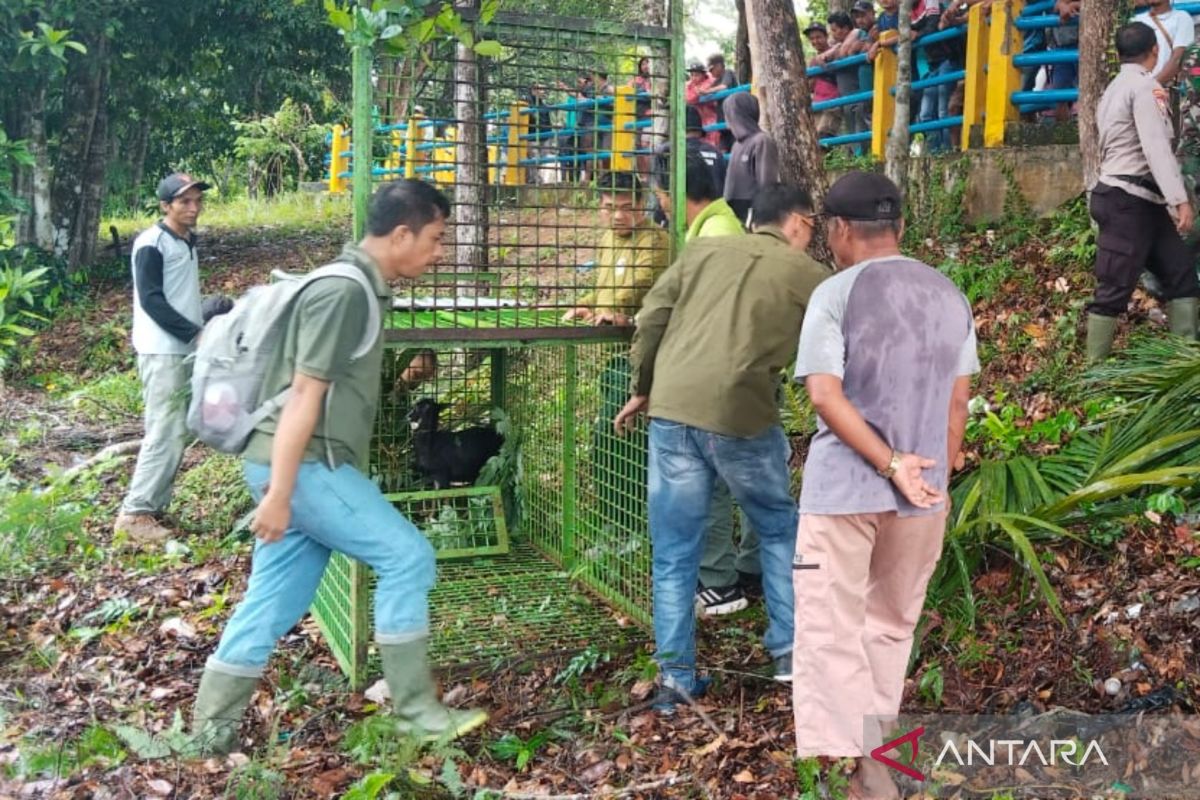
x: 935, y: 104
x: 332, y: 510
x: 684, y: 464
x: 164, y: 381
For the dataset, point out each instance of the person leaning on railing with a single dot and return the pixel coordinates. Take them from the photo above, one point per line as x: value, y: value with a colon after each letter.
x: 823, y: 87
x: 843, y: 32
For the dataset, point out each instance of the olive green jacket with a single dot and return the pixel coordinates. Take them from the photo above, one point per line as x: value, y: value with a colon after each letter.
x: 717, y: 328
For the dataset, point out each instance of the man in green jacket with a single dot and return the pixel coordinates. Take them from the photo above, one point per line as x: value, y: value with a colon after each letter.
x: 712, y: 337
x: 726, y: 572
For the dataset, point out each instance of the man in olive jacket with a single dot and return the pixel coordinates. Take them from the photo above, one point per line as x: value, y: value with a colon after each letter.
x: 712, y: 337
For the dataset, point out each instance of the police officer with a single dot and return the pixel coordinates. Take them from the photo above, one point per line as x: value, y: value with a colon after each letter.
x: 1139, y: 202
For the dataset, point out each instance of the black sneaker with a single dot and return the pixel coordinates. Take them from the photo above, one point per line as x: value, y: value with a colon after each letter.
x: 725, y: 600
x: 751, y: 585
x: 783, y: 667
x: 667, y: 698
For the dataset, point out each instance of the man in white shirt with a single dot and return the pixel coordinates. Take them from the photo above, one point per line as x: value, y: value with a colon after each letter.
x: 1175, y: 32
x: 167, y: 318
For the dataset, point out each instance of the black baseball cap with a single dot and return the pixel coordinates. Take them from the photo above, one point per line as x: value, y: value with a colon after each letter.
x: 862, y: 5
x: 863, y: 196
x: 816, y: 26
x: 176, y: 184
x: 692, y: 120
x: 696, y: 66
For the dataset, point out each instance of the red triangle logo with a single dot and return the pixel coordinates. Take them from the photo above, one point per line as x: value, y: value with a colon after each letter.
x: 909, y: 769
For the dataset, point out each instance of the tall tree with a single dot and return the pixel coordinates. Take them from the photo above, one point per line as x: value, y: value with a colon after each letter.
x: 741, y: 46
x: 782, y: 90
x: 897, y: 151
x: 1097, y: 24
x: 470, y: 236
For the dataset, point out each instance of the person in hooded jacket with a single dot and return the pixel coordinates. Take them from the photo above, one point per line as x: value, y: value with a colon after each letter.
x: 754, y: 160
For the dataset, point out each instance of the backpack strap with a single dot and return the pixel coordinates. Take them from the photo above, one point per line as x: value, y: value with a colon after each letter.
x: 339, y: 269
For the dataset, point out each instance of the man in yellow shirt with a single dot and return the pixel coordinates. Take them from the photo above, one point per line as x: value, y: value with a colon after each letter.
x: 631, y: 254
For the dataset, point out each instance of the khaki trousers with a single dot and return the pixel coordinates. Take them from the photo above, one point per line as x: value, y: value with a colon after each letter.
x: 860, y: 584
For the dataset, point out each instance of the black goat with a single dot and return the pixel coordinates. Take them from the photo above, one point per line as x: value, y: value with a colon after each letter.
x: 449, y: 456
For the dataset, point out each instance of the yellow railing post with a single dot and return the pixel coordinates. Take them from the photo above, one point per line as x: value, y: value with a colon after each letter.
x: 493, y: 156
x: 443, y: 156
x: 395, y: 155
x: 412, y: 138
x: 624, y: 139
x: 1003, y: 77
x: 518, y: 126
x: 883, y: 106
x: 339, y: 163
x: 975, y: 88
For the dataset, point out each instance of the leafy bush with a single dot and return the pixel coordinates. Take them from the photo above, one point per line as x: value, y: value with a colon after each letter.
x: 19, y: 295
x: 40, y: 525
x: 1147, y: 444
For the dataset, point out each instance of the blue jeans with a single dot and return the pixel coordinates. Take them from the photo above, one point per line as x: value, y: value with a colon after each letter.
x: 935, y: 104
x: 338, y: 510
x: 684, y: 464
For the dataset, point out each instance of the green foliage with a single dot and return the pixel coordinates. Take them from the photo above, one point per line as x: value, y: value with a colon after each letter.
x: 1148, y: 444
x: 978, y: 280
x: 113, y: 398
x: 271, y: 145
x: 19, y: 293
x: 148, y: 745
x: 1075, y: 235
x: 1001, y: 431
x: 376, y: 740
x: 931, y: 685
x: 212, y: 496
x: 41, y: 524
x: 369, y: 786
x: 96, y: 746
x: 512, y: 747
x: 256, y: 781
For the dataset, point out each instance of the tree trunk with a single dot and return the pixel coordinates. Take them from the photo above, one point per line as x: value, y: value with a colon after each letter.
x: 1097, y: 23
x: 741, y: 46
x: 840, y: 5
x: 86, y: 229
x: 896, y: 153
x: 137, y: 162
x: 39, y: 229
x: 470, y: 245
x: 782, y: 91
x: 75, y: 167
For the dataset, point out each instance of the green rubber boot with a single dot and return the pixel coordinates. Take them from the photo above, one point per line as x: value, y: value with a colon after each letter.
x: 220, y: 705
x: 1100, y: 333
x: 414, y: 695
x: 1181, y: 316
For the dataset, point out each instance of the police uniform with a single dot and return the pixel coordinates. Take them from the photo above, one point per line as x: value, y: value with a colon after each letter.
x: 1139, y: 181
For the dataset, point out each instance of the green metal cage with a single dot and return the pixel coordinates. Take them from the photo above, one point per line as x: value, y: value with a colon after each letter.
x: 550, y: 550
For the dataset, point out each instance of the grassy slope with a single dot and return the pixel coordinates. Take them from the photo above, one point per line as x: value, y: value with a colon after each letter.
x: 100, y: 634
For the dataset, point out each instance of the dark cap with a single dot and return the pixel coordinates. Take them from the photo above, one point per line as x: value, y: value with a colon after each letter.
x: 692, y: 120
x: 176, y: 184
x: 862, y: 5
x: 816, y: 26
x: 863, y: 196
x: 696, y: 66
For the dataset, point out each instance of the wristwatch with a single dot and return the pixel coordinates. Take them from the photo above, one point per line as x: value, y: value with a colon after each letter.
x: 893, y: 465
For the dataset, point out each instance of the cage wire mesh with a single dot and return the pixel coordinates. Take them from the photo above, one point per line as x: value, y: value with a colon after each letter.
x: 517, y: 143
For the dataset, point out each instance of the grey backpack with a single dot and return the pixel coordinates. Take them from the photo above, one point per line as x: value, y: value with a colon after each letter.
x: 236, y: 349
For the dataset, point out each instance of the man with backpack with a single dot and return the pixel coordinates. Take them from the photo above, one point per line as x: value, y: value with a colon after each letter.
x: 300, y: 464
x: 168, y: 315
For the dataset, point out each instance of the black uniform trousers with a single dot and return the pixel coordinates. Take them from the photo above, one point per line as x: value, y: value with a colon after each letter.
x: 1136, y: 235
